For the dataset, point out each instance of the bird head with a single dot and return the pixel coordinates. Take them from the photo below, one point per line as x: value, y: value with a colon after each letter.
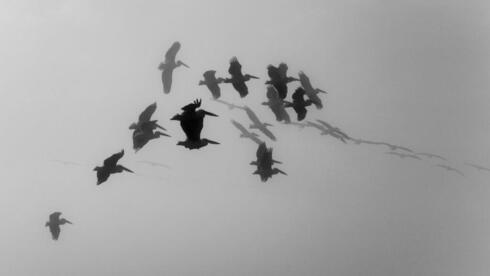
x: 133, y: 126
x: 161, y: 66
x: 179, y: 63
x: 97, y: 168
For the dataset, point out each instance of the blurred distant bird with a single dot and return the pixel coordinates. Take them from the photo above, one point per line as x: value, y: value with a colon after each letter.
x: 144, y: 128
x: 169, y: 65
x: 334, y: 129
x: 311, y: 92
x: 404, y: 155
x: 449, y: 168
x: 325, y: 131
x: 191, y: 122
x: 212, y: 83
x: 279, y: 79
x: 110, y: 167
x: 257, y: 124
x: 478, y: 167
x: 229, y: 105
x: 277, y: 105
x: 390, y: 146
x: 237, y: 78
x: 299, y: 104
x: 431, y: 155
x: 245, y: 133
x: 299, y: 125
x: 54, y: 224
x: 265, y: 162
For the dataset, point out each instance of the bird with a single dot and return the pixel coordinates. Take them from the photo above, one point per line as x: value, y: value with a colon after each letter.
x: 230, y: 106
x: 191, y: 121
x: 478, y: 167
x: 143, y: 130
x: 279, y: 79
x: 326, y: 131
x: 54, y: 224
x: 277, y: 105
x: 390, y: 146
x: 265, y: 162
x: 169, y: 65
x: 238, y: 80
x: 335, y: 129
x: 449, y: 168
x: 299, y: 103
x: 245, y: 133
x: 110, y: 167
x: 257, y: 124
x: 311, y: 92
x: 404, y: 155
x: 431, y: 155
x: 212, y: 83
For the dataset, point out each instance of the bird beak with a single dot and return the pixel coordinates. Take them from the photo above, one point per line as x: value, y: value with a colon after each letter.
x: 175, y: 118
x: 209, y: 113
x: 187, y: 66
x: 253, y: 77
x: 321, y: 91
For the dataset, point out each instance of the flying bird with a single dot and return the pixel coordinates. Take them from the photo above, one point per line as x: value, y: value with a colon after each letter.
x: 237, y: 78
x: 326, y: 131
x: 431, y: 155
x: 478, y: 167
x: 404, y: 155
x: 144, y: 129
x: 110, y: 167
x: 257, y: 124
x: 279, y: 79
x: 334, y: 129
x: 299, y: 103
x: 212, y: 83
x: 192, y: 122
x: 265, y: 162
x: 277, y: 105
x: 169, y: 65
x: 390, y: 146
x: 311, y: 93
x: 449, y: 168
x: 54, y: 224
x: 247, y: 134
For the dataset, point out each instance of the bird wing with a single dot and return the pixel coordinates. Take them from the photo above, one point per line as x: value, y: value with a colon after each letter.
x: 298, y: 94
x: 210, y: 74
x: 272, y: 93
x: 273, y: 73
x: 167, y: 79
x: 112, y: 160
x: 253, y: 117
x: 145, y: 116
x: 55, y: 231
x: 55, y: 216
x: 261, y: 150
x: 235, y: 68
x: 172, y: 52
x: 283, y: 70
x: 305, y: 81
x: 240, y: 127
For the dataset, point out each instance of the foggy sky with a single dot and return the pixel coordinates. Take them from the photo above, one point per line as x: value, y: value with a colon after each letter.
x: 75, y: 74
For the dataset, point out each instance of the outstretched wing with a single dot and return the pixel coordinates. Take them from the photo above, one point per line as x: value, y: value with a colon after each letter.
x: 298, y: 94
x: 210, y: 74
x: 55, y: 216
x: 55, y: 231
x: 192, y: 106
x: 283, y: 70
x: 251, y: 115
x: 261, y: 150
x: 167, y: 80
x: 172, y: 52
x: 273, y: 73
x: 112, y: 161
x: 145, y: 116
x: 239, y: 126
x: 235, y: 68
x: 272, y: 93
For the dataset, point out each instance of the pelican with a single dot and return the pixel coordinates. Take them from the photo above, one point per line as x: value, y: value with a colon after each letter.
x: 277, y: 105
x: 169, y: 65
x: 212, y: 83
x: 257, y: 124
x: 245, y: 133
x: 144, y: 128
x: 299, y: 104
x: 237, y: 78
x: 279, y: 79
x: 54, y: 224
x: 265, y: 162
x: 191, y: 122
x: 311, y: 92
x: 110, y: 167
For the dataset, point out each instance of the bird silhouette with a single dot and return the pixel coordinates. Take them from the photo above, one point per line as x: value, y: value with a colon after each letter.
x: 311, y: 93
x: 110, y: 167
x: 404, y: 155
x: 390, y: 146
x: 212, y: 83
x: 192, y: 122
x: 144, y: 129
x: 478, y: 167
x: 237, y: 78
x: 257, y: 124
x: 299, y: 104
x: 54, y: 224
x: 277, y: 105
x: 169, y: 66
x: 334, y: 129
x: 247, y: 134
x: 431, y: 155
x: 449, y: 168
x: 279, y: 79
x: 325, y: 131
x: 265, y: 162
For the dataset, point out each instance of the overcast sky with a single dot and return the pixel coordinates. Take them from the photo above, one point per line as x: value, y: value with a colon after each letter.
x: 76, y: 74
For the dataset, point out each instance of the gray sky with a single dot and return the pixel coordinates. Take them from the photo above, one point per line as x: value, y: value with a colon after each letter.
x: 75, y: 74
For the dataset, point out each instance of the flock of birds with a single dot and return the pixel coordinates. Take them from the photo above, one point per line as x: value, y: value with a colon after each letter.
x: 191, y: 120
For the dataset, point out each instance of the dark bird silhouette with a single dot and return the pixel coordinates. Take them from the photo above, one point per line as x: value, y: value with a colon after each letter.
x: 169, y: 65
x: 191, y: 121
x: 110, y: 167
x: 257, y: 124
x: 326, y: 131
x: 404, y: 155
x: 237, y: 78
x: 144, y: 129
x: 431, y: 155
x: 247, y: 134
x: 212, y: 83
x: 279, y: 79
x: 449, y: 168
x: 231, y: 106
x: 54, y: 224
x: 277, y: 105
x: 265, y: 162
x: 311, y: 92
x: 299, y: 103
x: 478, y: 167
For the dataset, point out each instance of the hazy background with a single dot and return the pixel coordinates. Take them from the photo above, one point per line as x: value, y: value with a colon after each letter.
x: 75, y: 74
